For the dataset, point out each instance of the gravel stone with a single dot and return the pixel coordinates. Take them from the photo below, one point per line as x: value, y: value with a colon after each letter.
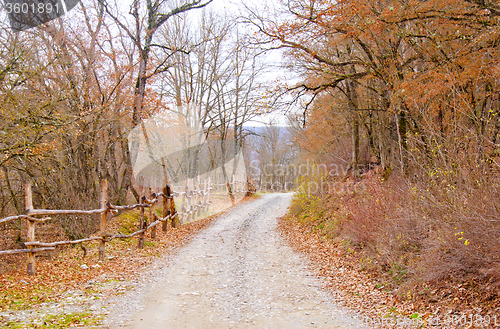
x: 237, y: 273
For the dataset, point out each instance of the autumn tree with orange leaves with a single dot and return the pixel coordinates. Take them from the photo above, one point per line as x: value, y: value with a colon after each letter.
x: 411, y: 88
x: 65, y: 119
x: 394, y: 64
x: 73, y: 89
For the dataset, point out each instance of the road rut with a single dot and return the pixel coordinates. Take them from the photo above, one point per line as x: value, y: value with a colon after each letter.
x: 237, y: 273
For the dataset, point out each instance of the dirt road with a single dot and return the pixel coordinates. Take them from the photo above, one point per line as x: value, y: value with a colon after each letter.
x: 238, y: 273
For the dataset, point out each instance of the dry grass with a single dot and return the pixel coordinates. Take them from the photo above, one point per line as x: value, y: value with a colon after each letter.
x: 427, y: 241
x: 63, y: 271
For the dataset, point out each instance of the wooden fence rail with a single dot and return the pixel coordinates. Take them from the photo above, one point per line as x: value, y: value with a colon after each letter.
x: 170, y: 215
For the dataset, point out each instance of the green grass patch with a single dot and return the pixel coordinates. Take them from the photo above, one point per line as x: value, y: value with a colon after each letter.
x: 77, y: 319
x: 22, y: 299
x: 129, y: 222
x: 149, y: 243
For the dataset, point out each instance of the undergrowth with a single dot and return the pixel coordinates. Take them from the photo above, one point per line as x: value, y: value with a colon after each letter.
x: 411, y: 235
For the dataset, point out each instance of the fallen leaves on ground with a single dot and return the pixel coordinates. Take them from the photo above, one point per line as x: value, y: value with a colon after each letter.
x: 70, y: 270
x: 360, y: 291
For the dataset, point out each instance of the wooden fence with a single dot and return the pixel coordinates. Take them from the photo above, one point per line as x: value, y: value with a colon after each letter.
x: 197, y: 200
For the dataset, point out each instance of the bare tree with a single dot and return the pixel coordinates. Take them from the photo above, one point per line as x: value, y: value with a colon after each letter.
x: 274, y: 157
x: 215, y: 82
x: 148, y: 16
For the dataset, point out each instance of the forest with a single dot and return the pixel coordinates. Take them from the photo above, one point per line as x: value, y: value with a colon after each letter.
x: 403, y: 97
x: 74, y: 89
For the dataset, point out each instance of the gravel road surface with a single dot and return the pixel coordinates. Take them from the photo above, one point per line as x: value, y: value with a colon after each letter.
x: 237, y: 273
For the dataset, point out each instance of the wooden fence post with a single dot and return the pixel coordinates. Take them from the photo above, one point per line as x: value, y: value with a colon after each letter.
x: 205, y: 190
x: 152, y: 218
x: 198, y: 197
x: 31, y: 228
x: 142, y: 225
x: 173, y: 212
x: 189, y: 196
x: 169, y: 195
x: 230, y: 190
x: 184, y: 196
x: 103, y: 220
x: 209, y: 189
x: 193, y: 201
x: 166, y: 211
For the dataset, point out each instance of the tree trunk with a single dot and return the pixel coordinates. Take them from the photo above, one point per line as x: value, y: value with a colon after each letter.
x: 355, y: 142
x: 402, y: 137
x: 352, y: 99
